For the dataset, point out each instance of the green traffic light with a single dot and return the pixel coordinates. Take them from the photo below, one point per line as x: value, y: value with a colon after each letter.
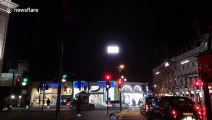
x: 25, y: 79
x: 65, y: 75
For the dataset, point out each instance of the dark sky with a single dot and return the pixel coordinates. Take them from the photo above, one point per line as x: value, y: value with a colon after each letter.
x: 141, y: 29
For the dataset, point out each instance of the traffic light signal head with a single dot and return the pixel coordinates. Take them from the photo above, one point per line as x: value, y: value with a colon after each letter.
x: 120, y: 83
x: 64, y: 77
x: 24, y: 81
x: 107, y: 77
x: 107, y: 84
x: 18, y: 80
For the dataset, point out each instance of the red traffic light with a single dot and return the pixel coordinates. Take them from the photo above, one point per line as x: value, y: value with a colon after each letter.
x: 108, y: 77
x: 18, y: 79
x: 119, y: 81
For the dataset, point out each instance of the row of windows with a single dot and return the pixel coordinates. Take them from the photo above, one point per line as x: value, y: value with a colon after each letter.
x: 176, y: 83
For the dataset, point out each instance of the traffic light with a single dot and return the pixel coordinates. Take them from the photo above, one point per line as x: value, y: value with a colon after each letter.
x: 25, y: 78
x: 64, y: 77
x: 120, y: 83
x: 25, y: 81
x: 18, y: 80
x: 107, y: 78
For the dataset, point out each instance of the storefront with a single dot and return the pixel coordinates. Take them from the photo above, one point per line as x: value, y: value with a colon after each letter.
x: 132, y: 94
x: 38, y: 95
x: 97, y: 91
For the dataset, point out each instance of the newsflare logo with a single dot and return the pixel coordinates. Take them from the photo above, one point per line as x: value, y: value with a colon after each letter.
x: 23, y: 10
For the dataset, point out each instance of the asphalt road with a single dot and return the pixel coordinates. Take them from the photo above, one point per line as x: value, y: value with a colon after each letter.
x: 37, y: 115
x: 67, y: 114
x: 127, y: 114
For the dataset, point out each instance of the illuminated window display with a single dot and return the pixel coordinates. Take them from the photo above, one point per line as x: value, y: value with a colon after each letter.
x: 132, y: 95
x: 42, y: 94
x: 97, y: 90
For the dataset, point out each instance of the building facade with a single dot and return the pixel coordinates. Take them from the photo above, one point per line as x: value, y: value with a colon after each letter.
x: 131, y: 91
x: 5, y: 7
x: 180, y: 74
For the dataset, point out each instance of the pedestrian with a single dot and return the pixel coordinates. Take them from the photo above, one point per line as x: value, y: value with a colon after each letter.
x: 79, y: 102
x: 48, y: 103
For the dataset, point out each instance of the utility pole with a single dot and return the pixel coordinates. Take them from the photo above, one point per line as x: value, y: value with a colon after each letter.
x: 59, y: 81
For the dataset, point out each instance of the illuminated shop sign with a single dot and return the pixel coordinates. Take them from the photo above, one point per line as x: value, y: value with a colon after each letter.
x: 98, y: 83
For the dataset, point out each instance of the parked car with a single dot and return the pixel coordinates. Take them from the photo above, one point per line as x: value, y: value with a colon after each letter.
x: 148, y: 103
x: 174, y: 108
x: 116, y: 103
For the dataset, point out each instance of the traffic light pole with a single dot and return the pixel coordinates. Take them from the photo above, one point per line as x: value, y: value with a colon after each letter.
x: 59, y: 82
x: 107, y: 101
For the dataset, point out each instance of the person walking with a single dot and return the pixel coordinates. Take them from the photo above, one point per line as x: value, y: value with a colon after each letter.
x: 79, y: 101
x: 48, y: 103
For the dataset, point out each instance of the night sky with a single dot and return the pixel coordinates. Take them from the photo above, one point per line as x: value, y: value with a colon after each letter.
x: 141, y: 29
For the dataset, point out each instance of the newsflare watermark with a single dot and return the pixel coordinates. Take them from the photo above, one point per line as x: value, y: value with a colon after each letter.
x: 23, y: 10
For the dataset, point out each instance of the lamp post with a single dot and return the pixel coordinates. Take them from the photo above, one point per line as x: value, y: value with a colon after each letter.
x: 121, y: 67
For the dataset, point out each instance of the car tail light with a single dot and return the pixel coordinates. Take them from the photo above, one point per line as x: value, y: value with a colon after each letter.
x: 197, y: 108
x: 174, y: 113
x: 198, y: 111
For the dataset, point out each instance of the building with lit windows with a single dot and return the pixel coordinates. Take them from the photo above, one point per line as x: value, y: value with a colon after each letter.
x: 180, y: 75
x: 40, y: 92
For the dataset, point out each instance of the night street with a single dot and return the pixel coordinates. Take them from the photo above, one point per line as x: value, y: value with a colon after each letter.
x: 49, y: 114
x: 105, y: 60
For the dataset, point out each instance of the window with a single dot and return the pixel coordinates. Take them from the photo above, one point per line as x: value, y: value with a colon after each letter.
x: 193, y: 64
